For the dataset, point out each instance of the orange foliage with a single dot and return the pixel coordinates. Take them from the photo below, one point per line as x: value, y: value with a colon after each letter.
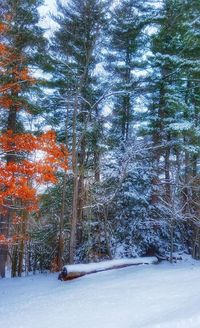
x: 15, y: 176
x: 3, y: 240
x: 26, y: 160
x: 6, y: 102
x: 2, y: 27
x: 4, y: 51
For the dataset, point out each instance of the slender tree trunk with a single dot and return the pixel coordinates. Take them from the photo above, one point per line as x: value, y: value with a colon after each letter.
x: 5, y: 220
x: 62, y: 214
x: 61, y: 226
x: 14, y: 261
x: 167, y: 172
x: 73, y: 239
x: 107, y: 238
x: 127, y: 104
x: 171, y: 241
x: 97, y: 166
x: 3, y: 248
x: 186, y: 156
x: 81, y: 186
x: 186, y: 182
x: 157, y: 140
x: 73, y: 231
x: 97, y: 148
x: 22, y: 244
x: 21, y: 258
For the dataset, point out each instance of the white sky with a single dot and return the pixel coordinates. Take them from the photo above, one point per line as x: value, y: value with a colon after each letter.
x: 50, y: 5
x: 48, y: 8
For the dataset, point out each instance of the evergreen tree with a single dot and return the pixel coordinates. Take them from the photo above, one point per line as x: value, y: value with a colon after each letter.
x: 75, y: 50
x: 191, y: 114
x: 172, y: 124
x: 126, y: 41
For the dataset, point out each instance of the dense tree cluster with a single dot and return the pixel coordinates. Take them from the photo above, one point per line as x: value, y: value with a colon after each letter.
x: 120, y: 85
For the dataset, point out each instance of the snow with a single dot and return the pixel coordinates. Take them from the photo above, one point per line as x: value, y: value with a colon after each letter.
x: 152, y: 296
x: 184, y: 126
x: 105, y: 265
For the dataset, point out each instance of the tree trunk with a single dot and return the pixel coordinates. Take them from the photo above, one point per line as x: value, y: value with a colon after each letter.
x: 5, y: 220
x: 107, y: 238
x: 3, y: 259
x: 62, y: 214
x: 171, y: 241
x: 74, y: 222
x: 14, y: 261
x: 97, y: 165
x: 22, y: 244
x: 73, y: 231
x: 167, y: 172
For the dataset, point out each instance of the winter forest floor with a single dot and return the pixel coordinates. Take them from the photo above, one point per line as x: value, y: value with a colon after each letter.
x: 151, y: 296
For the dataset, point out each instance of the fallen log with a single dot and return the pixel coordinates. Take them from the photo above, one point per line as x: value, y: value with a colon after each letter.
x: 74, y: 271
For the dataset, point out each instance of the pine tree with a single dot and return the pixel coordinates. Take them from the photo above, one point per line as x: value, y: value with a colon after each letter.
x: 75, y: 53
x: 125, y: 39
x: 171, y: 111
x: 191, y: 115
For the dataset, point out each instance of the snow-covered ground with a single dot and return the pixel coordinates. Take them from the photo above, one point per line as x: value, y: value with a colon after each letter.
x: 151, y: 296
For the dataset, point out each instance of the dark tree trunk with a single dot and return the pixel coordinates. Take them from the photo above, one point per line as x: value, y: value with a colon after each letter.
x: 5, y: 219
x: 167, y: 173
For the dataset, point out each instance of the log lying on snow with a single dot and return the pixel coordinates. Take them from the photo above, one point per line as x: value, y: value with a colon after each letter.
x: 70, y: 272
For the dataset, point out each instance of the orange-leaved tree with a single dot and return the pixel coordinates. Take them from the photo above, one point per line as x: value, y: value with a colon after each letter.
x: 26, y: 160
x: 35, y: 161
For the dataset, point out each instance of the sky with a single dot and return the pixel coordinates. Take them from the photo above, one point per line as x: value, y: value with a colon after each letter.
x: 49, y: 5
x: 48, y: 8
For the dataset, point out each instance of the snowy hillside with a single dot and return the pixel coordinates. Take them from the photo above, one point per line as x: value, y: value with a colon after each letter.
x: 155, y: 296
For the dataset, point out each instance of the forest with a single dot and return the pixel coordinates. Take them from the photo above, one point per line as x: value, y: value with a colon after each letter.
x: 99, y: 132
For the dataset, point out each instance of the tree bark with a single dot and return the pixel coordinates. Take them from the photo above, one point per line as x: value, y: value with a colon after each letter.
x: 5, y: 220
x: 73, y: 231
x: 62, y: 214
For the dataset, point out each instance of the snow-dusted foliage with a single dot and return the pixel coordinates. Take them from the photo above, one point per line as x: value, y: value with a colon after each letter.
x: 123, y: 94
x: 137, y: 165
